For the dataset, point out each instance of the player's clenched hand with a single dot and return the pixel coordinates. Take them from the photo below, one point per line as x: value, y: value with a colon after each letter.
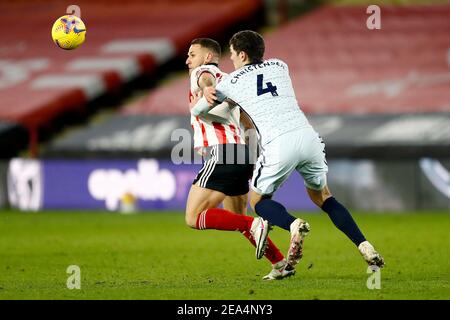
x: 210, y: 94
x: 194, y: 99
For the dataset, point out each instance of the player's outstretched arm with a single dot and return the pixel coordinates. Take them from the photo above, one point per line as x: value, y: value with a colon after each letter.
x: 194, y: 99
x: 201, y: 107
x: 209, y: 93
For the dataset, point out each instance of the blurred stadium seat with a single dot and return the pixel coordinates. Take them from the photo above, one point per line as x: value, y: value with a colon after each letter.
x: 339, y: 66
x: 41, y: 82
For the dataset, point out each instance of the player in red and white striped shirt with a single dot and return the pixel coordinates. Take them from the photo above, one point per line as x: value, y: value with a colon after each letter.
x: 227, y: 168
x: 207, y: 131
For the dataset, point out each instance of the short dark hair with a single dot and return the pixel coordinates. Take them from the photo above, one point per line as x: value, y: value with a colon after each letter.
x: 208, y: 43
x: 251, y: 42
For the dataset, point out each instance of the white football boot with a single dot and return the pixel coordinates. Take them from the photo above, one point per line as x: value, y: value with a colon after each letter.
x: 260, y: 231
x: 372, y: 257
x: 279, y: 271
x: 299, y: 230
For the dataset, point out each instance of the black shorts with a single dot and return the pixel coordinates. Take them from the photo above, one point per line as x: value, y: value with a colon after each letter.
x: 226, y: 168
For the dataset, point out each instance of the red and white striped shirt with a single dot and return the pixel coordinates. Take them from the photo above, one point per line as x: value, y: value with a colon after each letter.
x: 208, y: 132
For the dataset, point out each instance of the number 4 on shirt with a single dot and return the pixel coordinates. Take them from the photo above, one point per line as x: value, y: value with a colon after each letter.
x: 270, y: 88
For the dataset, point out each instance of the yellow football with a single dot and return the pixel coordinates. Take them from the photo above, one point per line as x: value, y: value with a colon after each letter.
x: 68, y: 32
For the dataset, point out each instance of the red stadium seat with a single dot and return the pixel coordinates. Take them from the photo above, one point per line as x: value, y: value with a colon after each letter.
x: 39, y: 82
x: 339, y: 66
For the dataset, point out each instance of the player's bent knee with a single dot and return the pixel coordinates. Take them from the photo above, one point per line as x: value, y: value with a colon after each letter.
x: 190, y: 223
x: 316, y: 183
x: 318, y: 201
x: 254, y: 202
x: 255, y: 199
x: 318, y: 197
x: 191, y: 220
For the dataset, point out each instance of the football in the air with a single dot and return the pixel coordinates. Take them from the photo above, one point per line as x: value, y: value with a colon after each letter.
x: 68, y: 32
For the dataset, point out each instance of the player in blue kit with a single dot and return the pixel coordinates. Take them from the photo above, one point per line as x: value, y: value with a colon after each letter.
x: 263, y: 90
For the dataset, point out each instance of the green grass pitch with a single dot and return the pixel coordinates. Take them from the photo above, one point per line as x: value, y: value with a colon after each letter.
x: 155, y: 256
